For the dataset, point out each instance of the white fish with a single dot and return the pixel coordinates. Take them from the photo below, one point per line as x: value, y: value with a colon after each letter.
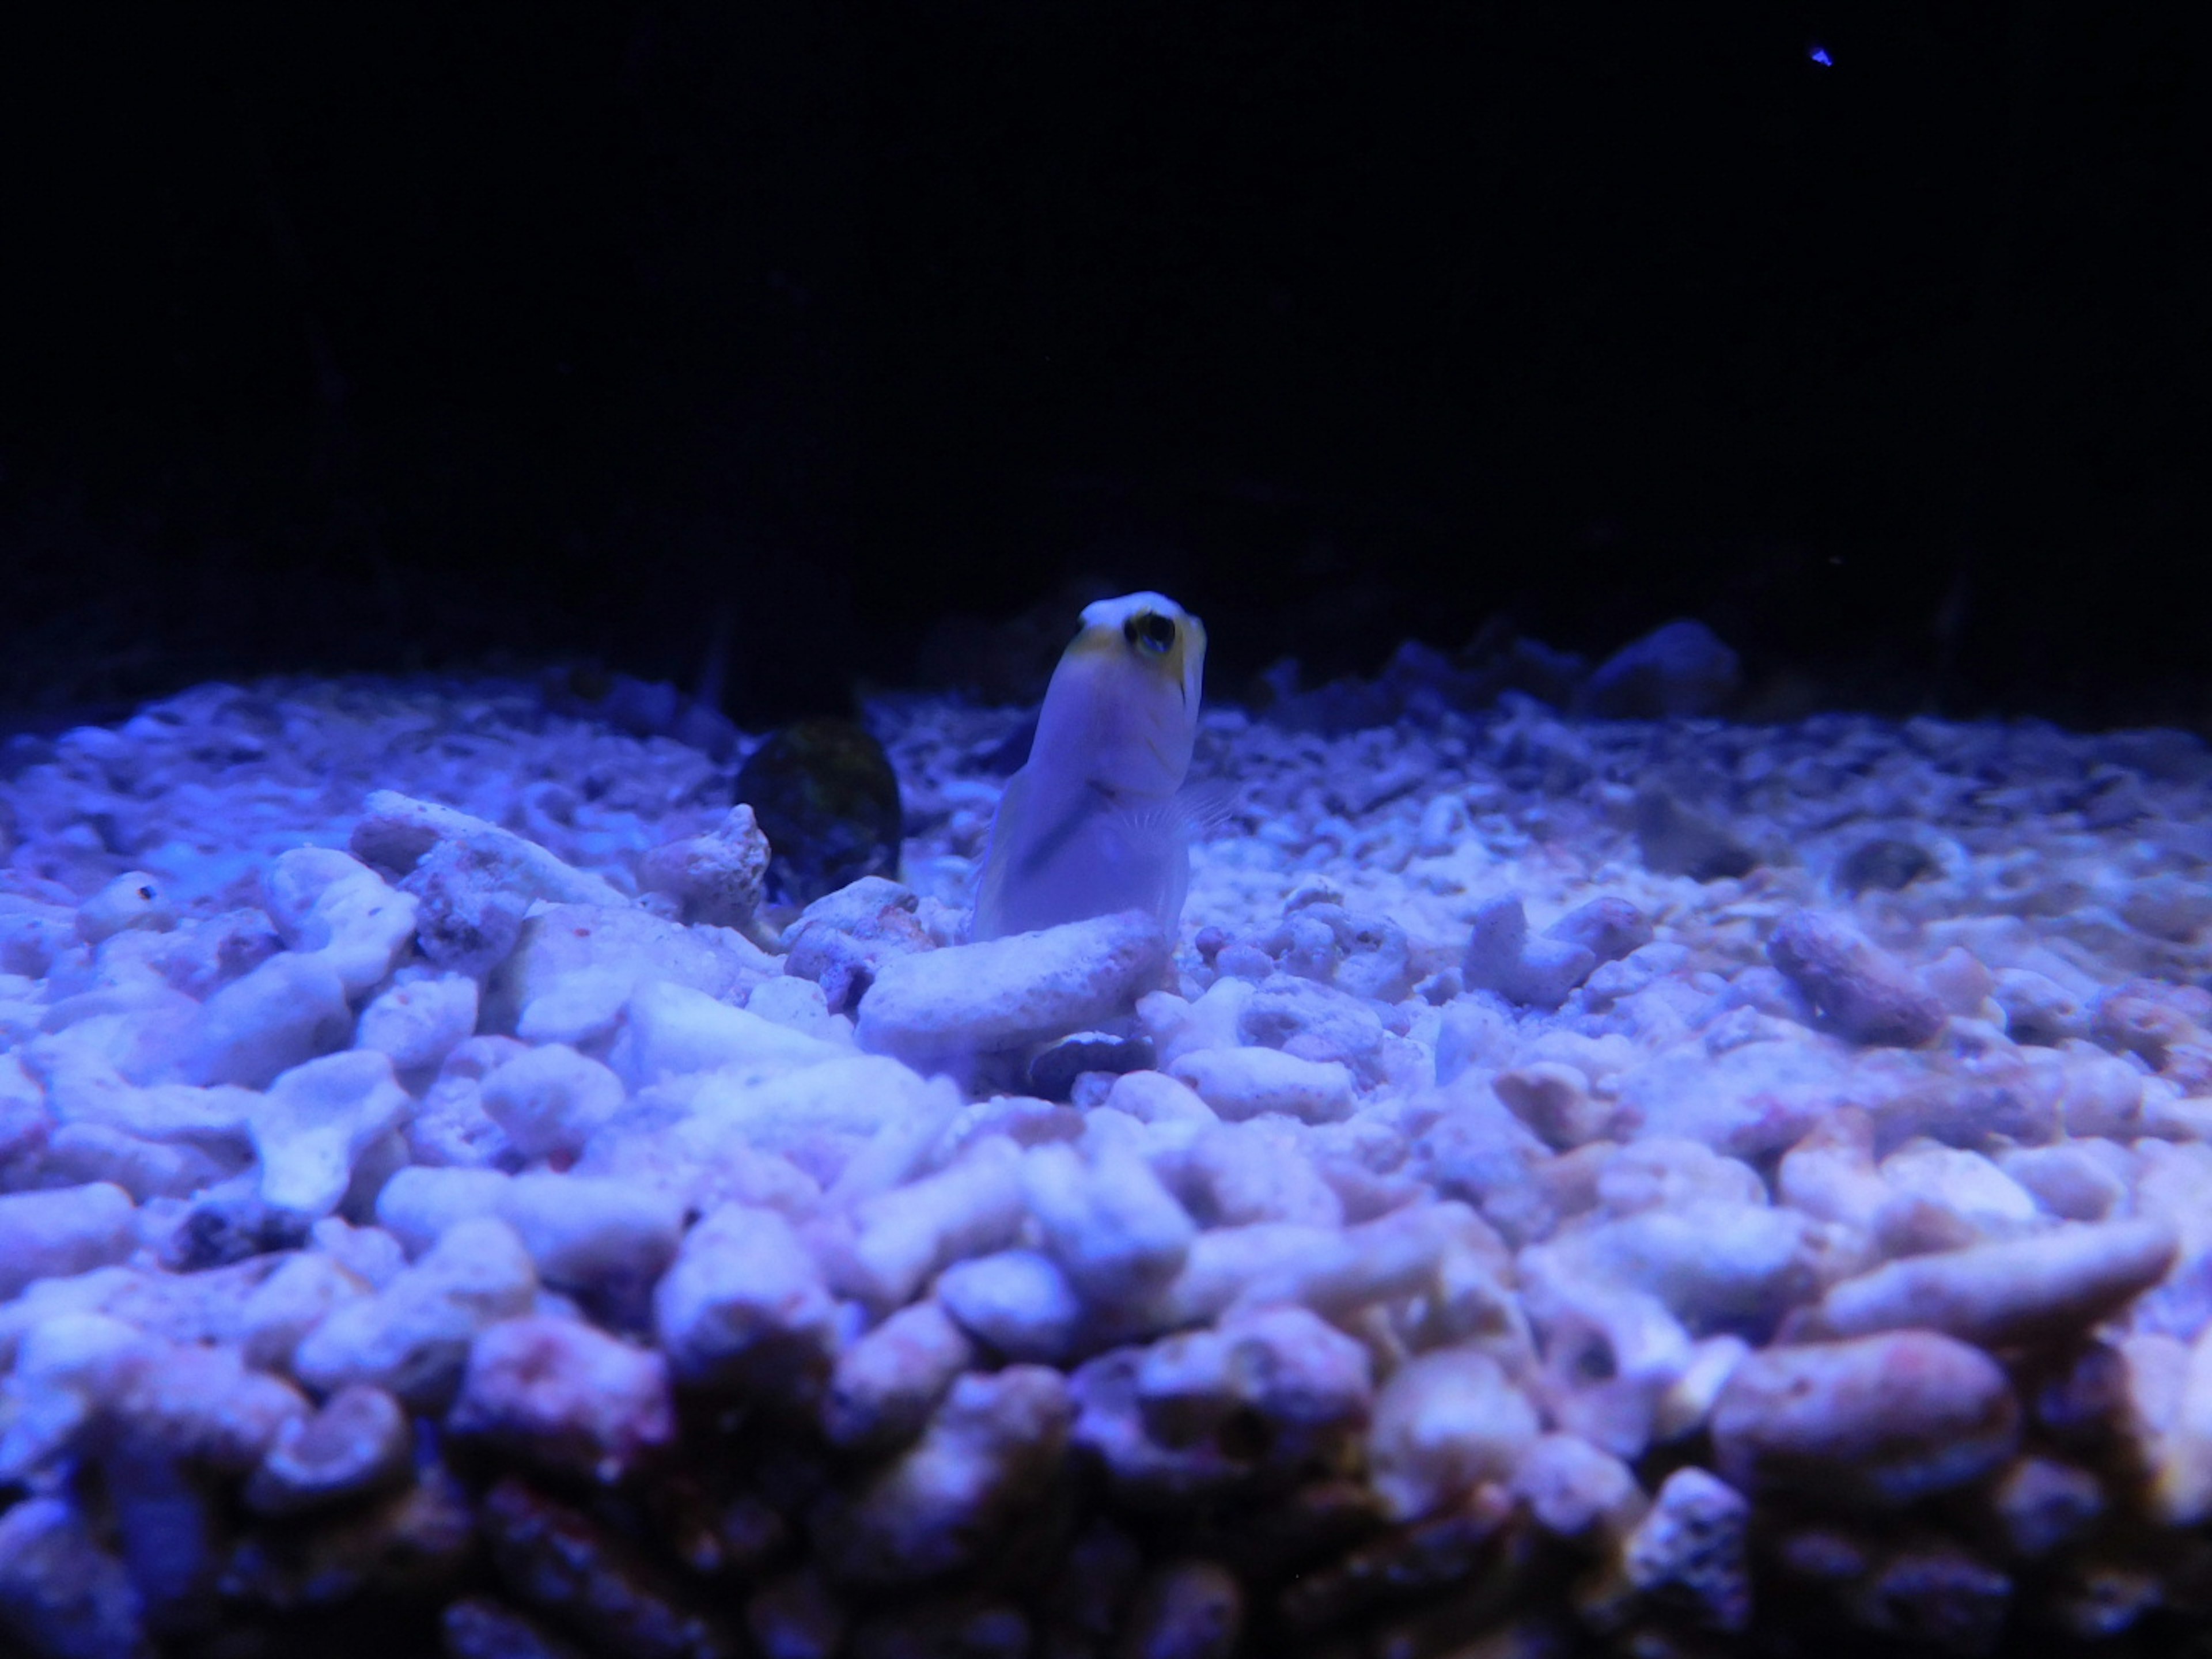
x: 1093, y: 823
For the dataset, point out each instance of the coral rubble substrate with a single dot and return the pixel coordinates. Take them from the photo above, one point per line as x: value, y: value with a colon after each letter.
x: 1622, y: 1187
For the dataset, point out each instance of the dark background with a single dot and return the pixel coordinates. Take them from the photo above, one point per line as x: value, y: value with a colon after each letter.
x: 378, y: 337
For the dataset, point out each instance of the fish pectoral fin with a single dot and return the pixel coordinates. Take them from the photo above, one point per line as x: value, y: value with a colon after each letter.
x: 1192, y: 810
x: 1207, y: 804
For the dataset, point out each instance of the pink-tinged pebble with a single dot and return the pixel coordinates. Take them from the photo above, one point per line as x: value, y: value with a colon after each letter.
x: 1878, y: 1421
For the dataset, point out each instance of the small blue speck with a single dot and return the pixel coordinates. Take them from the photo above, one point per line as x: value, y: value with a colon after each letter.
x: 1819, y: 54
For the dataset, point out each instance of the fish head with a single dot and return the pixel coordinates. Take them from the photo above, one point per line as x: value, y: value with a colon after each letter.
x: 1154, y: 633
x: 1125, y: 697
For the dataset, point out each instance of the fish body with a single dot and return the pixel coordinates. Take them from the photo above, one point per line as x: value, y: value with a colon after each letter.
x: 1092, y: 823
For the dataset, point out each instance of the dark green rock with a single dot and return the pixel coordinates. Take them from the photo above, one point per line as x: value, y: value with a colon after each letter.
x: 1677, y: 841
x: 825, y: 794
x: 1886, y: 863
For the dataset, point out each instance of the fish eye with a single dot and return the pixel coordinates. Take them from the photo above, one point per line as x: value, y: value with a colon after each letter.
x: 1149, y: 632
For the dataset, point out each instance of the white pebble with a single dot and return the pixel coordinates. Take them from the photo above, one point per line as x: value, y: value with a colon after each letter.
x: 797, y: 1004
x: 551, y: 1099
x: 565, y: 1394
x: 907, y: 1234
x: 412, y: 1337
x: 589, y: 1234
x: 675, y: 1031
x: 280, y: 1311
x: 1964, y: 1184
x: 418, y: 1203
x: 2008, y: 1290
x: 1017, y: 1302
x: 1444, y: 824
x: 370, y: 1254
x: 1155, y: 1098
x: 62, y: 1232
x: 856, y: 1095
x: 580, y: 1009
x: 561, y: 939
x: 330, y: 905
x: 1258, y: 1170
x: 1115, y: 1230
x: 715, y: 878
x: 1708, y: 1262
x: 745, y: 1302
x: 80, y: 1152
x: 419, y: 1022
x: 61, y: 1371
x: 1306, y: 1384
x: 286, y: 1011
x: 358, y: 1442
x: 314, y: 1124
x: 1243, y: 1083
x: 1444, y: 1423
x: 1572, y: 1488
x: 2074, y: 1181
x: 885, y: 1385
x: 1178, y: 1028
x: 949, y: 1005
